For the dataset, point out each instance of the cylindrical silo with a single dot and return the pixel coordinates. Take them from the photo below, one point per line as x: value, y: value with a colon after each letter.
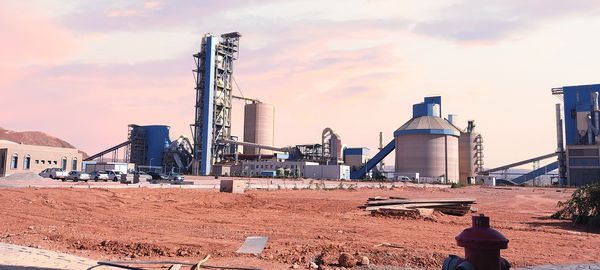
x: 467, y: 155
x: 157, y: 139
x: 259, y: 126
x: 428, y: 145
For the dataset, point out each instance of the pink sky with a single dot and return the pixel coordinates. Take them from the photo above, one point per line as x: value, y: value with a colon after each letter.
x: 83, y: 71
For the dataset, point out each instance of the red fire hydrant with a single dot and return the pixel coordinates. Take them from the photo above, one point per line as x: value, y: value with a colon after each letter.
x: 482, y: 248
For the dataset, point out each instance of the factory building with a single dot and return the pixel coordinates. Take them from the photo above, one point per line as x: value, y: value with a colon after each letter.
x: 23, y: 158
x: 579, y: 156
x: 257, y: 167
x: 355, y: 157
x: 327, y: 172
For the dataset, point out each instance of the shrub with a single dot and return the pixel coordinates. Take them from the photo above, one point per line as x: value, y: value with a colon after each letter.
x: 583, y: 207
x: 456, y: 185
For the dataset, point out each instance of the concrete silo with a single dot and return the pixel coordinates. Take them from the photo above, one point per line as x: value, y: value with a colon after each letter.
x: 428, y: 144
x: 470, y: 154
x: 259, y: 124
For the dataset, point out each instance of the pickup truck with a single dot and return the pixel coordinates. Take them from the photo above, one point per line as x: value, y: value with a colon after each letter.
x: 54, y: 173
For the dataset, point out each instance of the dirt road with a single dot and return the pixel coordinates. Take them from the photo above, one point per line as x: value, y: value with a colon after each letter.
x: 185, y: 224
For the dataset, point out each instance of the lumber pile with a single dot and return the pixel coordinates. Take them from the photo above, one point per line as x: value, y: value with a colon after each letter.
x: 413, y: 208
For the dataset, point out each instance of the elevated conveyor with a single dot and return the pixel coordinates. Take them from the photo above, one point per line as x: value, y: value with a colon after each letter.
x: 114, y: 148
x: 360, y: 173
x: 535, y: 173
x: 512, y: 165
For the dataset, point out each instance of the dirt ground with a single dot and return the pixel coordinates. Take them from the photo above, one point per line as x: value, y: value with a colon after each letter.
x: 302, y: 225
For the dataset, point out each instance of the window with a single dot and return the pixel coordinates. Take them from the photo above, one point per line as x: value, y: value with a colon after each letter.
x: 43, y: 162
x: 54, y: 162
x: 74, y: 165
x: 37, y: 161
x: 27, y: 162
x: 14, y: 161
x: 49, y: 162
x: 63, y: 163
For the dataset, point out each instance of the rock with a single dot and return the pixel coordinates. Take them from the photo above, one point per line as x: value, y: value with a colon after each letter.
x: 313, y: 265
x: 295, y: 266
x: 364, y: 260
x: 347, y: 260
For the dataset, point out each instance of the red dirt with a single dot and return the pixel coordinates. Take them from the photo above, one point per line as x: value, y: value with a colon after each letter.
x: 302, y: 225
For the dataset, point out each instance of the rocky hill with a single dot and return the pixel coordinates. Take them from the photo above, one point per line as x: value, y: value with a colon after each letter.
x: 34, y: 138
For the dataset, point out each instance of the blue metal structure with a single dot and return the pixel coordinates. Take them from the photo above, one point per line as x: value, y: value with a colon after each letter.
x: 536, y: 173
x: 356, y: 151
x: 577, y: 100
x: 581, y: 155
x: 157, y: 139
x: 208, y: 106
x: 360, y: 173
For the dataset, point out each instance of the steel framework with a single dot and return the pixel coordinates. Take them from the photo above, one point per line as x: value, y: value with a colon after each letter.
x: 214, y: 85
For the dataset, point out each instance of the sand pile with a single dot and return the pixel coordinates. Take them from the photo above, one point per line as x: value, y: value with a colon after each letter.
x: 22, y: 176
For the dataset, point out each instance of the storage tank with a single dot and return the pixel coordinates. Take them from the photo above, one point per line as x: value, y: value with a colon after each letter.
x: 470, y: 154
x: 157, y: 139
x: 467, y: 155
x: 259, y: 124
x: 428, y: 145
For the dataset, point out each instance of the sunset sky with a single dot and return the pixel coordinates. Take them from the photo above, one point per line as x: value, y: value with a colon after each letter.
x: 84, y: 70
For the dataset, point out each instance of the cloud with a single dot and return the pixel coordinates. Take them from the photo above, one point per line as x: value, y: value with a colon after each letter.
x: 29, y: 37
x: 136, y: 15
x: 473, y: 20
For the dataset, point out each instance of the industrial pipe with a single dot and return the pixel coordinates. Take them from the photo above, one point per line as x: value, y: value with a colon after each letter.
x: 596, y: 116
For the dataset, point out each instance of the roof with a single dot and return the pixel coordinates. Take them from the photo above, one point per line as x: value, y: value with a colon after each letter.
x: 427, y: 125
x: 7, y: 142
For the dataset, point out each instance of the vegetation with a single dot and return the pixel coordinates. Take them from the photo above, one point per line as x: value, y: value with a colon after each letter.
x: 456, y: 185
x: 583, y: 207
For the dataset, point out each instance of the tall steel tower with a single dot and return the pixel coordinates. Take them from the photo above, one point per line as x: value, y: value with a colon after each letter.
x: 214, y: 85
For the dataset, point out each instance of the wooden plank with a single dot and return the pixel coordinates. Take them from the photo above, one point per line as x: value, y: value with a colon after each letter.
x: 414, y: 205
x: 378, y: 198
x: 396, y: 201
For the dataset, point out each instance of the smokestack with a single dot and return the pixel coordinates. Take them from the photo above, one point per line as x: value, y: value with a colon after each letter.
x: 560, y: 149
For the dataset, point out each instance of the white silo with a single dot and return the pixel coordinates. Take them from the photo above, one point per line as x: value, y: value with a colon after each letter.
x: 259, y: 126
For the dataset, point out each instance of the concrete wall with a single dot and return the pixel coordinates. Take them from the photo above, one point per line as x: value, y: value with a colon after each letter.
x: 40, y: 158
x: 426, y: 154
x: 327, y: 172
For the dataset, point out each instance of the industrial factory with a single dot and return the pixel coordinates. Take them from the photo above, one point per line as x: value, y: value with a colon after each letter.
x: 429, y: 147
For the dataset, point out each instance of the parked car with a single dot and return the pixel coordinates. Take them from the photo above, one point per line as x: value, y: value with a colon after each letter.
x: 54, y: 173
x: 114, y: 175
x: 77, y: 175
x: 103, y: 176
x: 142, y: 176
x: 175, y: 176
x: 158, y: 176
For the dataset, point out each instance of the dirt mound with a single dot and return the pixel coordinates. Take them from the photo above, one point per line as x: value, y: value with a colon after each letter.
x: 35, y: 138
x: 304, y: 227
